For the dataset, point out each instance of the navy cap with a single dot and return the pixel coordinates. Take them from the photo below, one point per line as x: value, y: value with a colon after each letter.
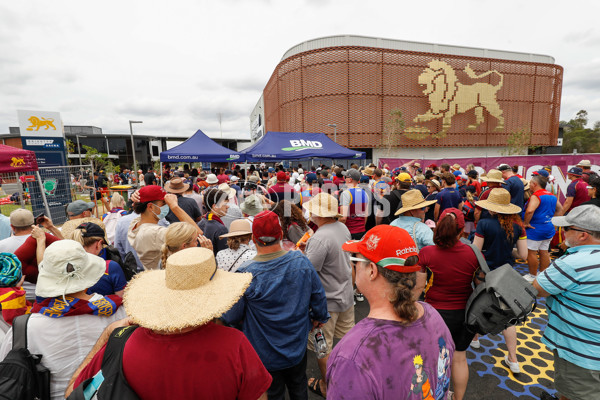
x: 575, y: 171
x: 542, y: 172
x: 310, y: 178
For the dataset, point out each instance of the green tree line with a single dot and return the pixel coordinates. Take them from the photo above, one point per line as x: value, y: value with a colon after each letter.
x: 578, y: 136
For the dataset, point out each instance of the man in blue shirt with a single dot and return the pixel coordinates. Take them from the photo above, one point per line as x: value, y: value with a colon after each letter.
x: 571, y: 285
x: 283, y: 303
x: 513, y: 184
x: 449, y: 196
x: 410, y: 218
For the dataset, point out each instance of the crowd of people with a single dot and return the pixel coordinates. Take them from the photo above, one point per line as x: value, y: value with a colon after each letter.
x: 223, y: 283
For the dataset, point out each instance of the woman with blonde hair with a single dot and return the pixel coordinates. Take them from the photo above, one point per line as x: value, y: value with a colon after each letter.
x: 93, y: 240
x: 110, y: 219
x: 179, y: 236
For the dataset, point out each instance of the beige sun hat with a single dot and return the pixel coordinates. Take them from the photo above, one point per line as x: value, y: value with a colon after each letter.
x: 525, y: 184
x: 323, y: 205
x: 189, y: 292
x: 67, y: 268
x: 412, y: 200
x: 176, y: 185
x: 224, y: 187
x: 493, y: 175
x: 436, y: 183
x: 69, y: 226
x: 499, y: 202
x: 238, y: 227
x: 584, y: 163
x: 252, y: 205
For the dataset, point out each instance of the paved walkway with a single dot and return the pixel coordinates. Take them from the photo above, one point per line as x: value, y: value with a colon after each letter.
x: 489, y: 377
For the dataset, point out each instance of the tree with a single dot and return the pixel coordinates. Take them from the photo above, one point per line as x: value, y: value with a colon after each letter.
x: 94, y: 157
x: 518, y: 143
x: 578, y: 137
x: 393, y: 128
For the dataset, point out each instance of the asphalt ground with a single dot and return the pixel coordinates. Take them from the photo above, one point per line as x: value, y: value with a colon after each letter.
x: 489, y: 377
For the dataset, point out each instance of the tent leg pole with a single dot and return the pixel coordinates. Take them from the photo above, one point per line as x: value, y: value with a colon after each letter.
x: 161, y: 174
x: 43, y: 195
x: 20, y: 188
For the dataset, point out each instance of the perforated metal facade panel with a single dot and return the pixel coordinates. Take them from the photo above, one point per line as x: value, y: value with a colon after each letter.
x: 447, y: 100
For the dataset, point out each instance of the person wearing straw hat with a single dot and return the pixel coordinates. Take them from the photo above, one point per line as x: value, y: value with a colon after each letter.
x: 275, y: 311
x: 324, y: 250
x: 178, y: 187
x: 67, y: 321
x: 411, y: 216
x: 496, y: 237
x: 403, y: 349
x: 238, y: 246
x: 176, y: 351
x: 78, y: 213
x: 570, y: 285
x: 586, y: 170
x: 493, y: 179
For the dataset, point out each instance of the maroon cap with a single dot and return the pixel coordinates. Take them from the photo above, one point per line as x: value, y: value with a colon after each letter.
x: 266, y: 228
x: 152, y: 193
x: 282, y: 176
x: 459, y: 217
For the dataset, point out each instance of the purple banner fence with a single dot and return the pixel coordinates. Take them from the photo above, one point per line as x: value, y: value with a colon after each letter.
x: 527, y: 164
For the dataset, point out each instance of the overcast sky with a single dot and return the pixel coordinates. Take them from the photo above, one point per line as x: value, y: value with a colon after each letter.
x: 177, y: 64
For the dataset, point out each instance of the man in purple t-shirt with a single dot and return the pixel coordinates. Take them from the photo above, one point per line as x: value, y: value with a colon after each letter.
x: 576, y: 191
x: 406, y: 344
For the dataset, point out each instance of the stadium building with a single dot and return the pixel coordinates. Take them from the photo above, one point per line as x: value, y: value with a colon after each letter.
x: 454, y: 101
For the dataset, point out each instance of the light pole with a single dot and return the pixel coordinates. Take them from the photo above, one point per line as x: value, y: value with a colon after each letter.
x: 334, y: 126
x: 132, y: 143
x: 79, y: 148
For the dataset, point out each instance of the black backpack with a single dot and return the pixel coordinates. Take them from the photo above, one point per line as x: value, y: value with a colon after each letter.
x: 22, y: 376
x: 504, y: 298
x: 113, y: 384
x: 128, y: 265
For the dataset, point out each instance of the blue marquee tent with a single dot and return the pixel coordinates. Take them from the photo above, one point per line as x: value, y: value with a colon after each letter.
x: 296, y: 146
x: 200, y: 148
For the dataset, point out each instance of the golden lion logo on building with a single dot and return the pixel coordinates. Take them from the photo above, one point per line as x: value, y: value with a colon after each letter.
x: 38, y: 123
x: 15, y: 162
x: 448, y: 97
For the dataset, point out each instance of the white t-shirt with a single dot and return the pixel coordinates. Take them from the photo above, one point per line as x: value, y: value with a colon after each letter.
x: 63, y: 342
x: 226, y: 257
x: 11, y: 244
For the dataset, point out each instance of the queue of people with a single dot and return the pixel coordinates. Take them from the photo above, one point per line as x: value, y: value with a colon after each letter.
x: 255, y: 274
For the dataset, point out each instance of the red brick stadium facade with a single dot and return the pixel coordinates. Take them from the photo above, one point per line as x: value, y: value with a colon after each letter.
x: 446, y: 100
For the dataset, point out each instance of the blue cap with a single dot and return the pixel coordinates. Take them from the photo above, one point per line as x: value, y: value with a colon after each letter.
x: 310, y: 178
x: 271, y: 169
x: 542, y: 172
x: 364, y: 179
x: 575, y: 171
x: 457, y: 173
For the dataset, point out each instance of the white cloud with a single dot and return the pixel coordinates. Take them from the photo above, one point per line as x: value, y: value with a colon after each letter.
x: 176, y: 65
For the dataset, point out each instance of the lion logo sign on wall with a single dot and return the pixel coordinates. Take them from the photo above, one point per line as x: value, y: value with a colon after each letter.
x: 448, y: 97
x: 38, y: 123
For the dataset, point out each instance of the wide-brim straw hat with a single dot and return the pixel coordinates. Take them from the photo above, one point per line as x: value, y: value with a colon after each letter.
x: 499, y: 202
x: 67, y: 268
x: 176, y: 185
x: 323, y: 205
x: 224, y: 187
x: 493, y: 175
x: 189, y: 292
x: 412, y: 200
x: 238, y: 227
x: 70, y: 225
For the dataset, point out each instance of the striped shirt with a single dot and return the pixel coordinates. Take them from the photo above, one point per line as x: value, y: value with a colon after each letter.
x: 573, y: 282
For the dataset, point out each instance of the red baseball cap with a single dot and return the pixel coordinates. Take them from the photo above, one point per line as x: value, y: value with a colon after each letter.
x: 459, y: 217
x: 387, y: 246
x: 266, y: 228
x: 282, y: 176
x: 152, y: 193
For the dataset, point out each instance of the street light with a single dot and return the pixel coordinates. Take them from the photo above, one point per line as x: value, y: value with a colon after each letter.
x: 132, y: 143
x: 334, y: 126
x: 79, y: 148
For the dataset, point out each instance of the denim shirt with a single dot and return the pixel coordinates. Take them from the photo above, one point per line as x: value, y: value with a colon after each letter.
x: 423, y: 235
x: 277, y: 308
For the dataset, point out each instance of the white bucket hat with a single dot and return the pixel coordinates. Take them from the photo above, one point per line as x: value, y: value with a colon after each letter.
x: 67, y: 268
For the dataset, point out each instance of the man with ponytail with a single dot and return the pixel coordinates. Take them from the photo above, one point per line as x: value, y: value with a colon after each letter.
x: 405, y: 343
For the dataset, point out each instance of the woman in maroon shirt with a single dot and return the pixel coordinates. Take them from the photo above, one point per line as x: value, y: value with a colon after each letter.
x: 453, y: 264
